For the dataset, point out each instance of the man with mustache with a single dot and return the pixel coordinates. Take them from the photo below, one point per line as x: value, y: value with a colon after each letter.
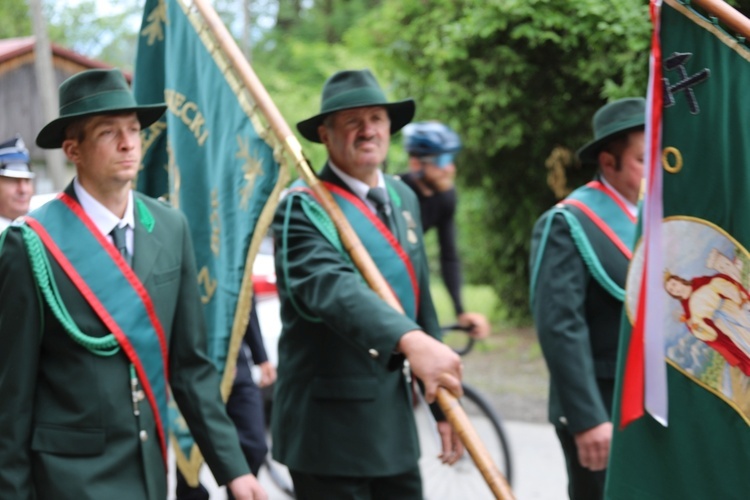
x: 342, y: 419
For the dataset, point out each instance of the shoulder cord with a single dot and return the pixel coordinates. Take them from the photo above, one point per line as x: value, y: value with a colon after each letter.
x: 42, y: 270
x: 324, y: 224
x: 584, y: 249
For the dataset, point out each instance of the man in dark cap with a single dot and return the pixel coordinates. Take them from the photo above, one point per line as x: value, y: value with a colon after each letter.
x: 100, y: 319
x: 580, y: 251
x: 16, y: 181
x: 342, y: 418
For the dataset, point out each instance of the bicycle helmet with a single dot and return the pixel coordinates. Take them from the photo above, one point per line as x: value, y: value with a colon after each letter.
x: 431, y: 139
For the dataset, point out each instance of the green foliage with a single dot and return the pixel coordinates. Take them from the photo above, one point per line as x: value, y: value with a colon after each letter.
x: 481, y: 297
x: 16, y: 20
x: 515, y: 78
x: 109, y: 35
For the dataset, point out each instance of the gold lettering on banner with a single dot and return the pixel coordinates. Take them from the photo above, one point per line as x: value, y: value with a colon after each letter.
x: 671, y: 159
x: 215, y: 223
x: 151, y: 133
x: 251, y: 168
x: 188, y: 112
x: 207, y: 285
x: 155, y: 22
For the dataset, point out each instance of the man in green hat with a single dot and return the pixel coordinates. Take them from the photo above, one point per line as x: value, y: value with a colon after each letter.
x: 342, y: 418
x: 100, y: 320
x: 580, y: 251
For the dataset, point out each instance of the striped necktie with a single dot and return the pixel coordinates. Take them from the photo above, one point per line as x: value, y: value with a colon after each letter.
x: 382, y: 206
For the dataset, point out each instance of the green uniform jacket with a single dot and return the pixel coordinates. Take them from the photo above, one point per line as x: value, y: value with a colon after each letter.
x: 67, y: 427
x: 578, y: 322
x: 342, y: 405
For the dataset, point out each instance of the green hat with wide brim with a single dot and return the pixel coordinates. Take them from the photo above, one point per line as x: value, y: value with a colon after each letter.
x: 610, y: 120
x: 94, y: 92
x: 355, y: 89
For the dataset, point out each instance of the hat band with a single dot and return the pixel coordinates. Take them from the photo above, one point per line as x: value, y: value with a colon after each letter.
x: 112, y: 100
x: 17, y: 171
x: 355, y: 98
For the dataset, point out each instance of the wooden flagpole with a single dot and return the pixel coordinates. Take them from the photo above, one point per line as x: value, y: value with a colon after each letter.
x: 447, y: 401
x: 727, y: 15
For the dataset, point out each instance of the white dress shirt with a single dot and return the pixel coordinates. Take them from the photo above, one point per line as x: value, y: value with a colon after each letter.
x: 359, y: 187
x: 633, y: 209
x: 104, y: 220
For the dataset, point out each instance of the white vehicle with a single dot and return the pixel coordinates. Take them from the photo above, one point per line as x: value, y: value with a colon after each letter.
x: 267, y: 298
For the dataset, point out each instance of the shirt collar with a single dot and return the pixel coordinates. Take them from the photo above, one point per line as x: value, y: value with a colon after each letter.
x: 633, y: 209
x: 104, y: 220
x: 360, y: 188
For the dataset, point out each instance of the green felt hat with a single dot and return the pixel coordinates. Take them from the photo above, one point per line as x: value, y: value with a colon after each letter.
x: 94, y: 92
x: 355, y: 89
x: 611, y: 119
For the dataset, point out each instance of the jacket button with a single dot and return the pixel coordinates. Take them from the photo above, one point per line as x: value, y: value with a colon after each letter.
x: 143, y: 435
x: 373, y: 353
x: 563, y: 420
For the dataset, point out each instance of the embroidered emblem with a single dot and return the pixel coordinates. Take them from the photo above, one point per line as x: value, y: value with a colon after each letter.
x: 706, y: 318
x: 410, y: 223
x: 145, y: 216
x: 686, y: 83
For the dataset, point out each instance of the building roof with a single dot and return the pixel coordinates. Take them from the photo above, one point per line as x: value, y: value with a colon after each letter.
x: 13, y: 49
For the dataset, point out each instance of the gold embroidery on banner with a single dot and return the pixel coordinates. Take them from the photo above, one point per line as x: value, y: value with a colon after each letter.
x: 154, y: 30
x: 674, y: 153
x: 150, y: 134
x: 207, y: 284
x: 188, y: 112
x: 251, y: 168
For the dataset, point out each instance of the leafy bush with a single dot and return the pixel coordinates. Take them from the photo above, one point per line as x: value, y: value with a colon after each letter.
x: 516, y: 78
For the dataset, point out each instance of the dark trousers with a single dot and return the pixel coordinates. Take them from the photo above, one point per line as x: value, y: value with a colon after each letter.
x: 245, y: 408
x: 583, y: 484
x: 406, y: 486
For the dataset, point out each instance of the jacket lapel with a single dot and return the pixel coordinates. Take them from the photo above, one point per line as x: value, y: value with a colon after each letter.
x: 328, y: 175
x: 146, y: 247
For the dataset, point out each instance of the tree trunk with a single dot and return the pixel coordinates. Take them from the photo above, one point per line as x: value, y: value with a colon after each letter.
x: 47, y: 86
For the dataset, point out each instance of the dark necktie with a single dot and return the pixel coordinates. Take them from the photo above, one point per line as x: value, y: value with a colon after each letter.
x: 383, y: 208
x: 118, y: 238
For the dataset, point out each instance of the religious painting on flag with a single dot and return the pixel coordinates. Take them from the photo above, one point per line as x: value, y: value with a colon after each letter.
x: 706, y: 318
x: 212, y: 156
x: 682, y: 400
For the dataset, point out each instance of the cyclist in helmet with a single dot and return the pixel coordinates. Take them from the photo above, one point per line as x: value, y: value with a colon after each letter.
x: 431, y: 147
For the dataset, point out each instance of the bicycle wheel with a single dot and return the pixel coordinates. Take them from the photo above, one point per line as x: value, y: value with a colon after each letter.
x: 462, y: 479
x: 457, y: 338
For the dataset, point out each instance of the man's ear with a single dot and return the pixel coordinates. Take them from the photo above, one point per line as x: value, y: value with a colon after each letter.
x: 70, y: 148
x: 323, y: 134
x: 607, y: 161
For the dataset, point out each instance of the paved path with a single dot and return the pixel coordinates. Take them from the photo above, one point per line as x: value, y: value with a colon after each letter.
x: 539, y: 466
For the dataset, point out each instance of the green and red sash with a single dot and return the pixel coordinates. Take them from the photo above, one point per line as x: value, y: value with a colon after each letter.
x: 113, y: 291
x: 386, y: 251
x: 607, y: 212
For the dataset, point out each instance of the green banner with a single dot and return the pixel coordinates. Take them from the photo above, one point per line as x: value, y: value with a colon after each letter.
x: 208, y: 158
x: 700, y: 309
